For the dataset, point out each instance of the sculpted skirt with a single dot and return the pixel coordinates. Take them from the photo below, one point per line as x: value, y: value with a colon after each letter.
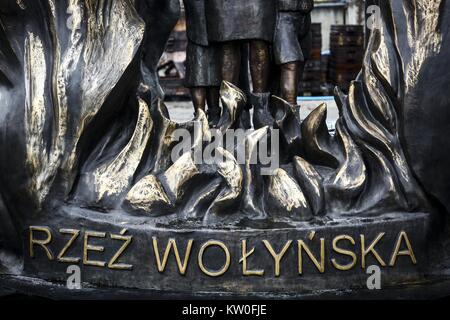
x: 202, y: 66
x: 230, y: 20
x: 292, y: 39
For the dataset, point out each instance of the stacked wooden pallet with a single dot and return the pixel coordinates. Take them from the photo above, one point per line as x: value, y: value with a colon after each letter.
x: 312, y: 78
x: 346, y: 54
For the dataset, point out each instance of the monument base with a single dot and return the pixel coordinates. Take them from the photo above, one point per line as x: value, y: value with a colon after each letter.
x: 165, y: 256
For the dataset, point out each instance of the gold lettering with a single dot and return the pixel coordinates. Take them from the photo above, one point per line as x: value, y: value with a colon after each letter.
x: 172, y: 243
x: 112, y: 263
x: 89, y: 247
x: 319, y: 265
x: 365, y: 252
x: 245, y: 255
x: 277, y: 256
x: 227, y: 261
x: 409, y: 252
x: 42, y: 243
x: 344, y: 252
x: 75, y: 234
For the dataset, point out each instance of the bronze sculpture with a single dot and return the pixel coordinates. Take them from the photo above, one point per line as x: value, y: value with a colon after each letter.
x: 84, y: 158
x: 254, y: 24
x: 267, y: 26
x: 290, y: 44
x: 229, y: 23
x: 202, y: 62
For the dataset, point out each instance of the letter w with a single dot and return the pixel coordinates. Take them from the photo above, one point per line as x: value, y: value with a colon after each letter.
x: 172, y: 243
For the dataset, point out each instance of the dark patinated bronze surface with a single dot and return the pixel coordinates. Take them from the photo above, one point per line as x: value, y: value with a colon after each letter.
x: 231, y: 20
x: 86, y: 142
x: 291, y: 44
x: 157, y: 31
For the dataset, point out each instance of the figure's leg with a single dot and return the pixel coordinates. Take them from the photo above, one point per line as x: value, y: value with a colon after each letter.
x: 198, y: 95
x: 289, y: 82
x: 259, y: 65
x: 212, y: 98
x: 244, y: 84
x: 230, y: 62
x: 259, y: 70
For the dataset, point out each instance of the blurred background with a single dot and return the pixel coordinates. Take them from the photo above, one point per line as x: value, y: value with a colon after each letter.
x: 335, y: 60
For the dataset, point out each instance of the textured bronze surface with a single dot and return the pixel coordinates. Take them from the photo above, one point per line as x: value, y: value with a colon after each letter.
x: 83, y: 125
x: 75, y: 146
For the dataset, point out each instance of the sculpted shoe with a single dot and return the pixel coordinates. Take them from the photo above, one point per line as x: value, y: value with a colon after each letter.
x: 213, y: 116
x: 261, y: 112
x: 245, y: 121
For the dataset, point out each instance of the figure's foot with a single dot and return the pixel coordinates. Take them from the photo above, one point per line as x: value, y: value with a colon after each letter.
x: 213, y: 116
x: 245, y: 121
x: 287, y: 119
x: 261, y: 113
